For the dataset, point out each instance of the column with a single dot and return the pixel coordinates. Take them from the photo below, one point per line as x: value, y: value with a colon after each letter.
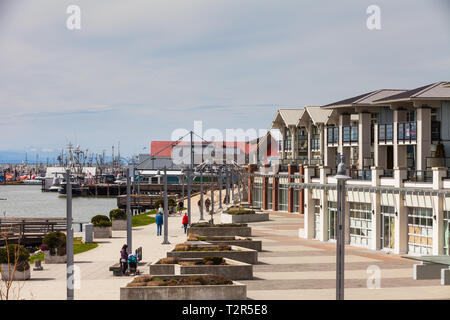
x: 323, y: 236
x: 291, y: 170
x: 399, y: 150
x: 344, y: 120
x: 282, y: 153
x: 308, y: 222
x: 423, y: 141
x: 438, y: 214
x: 309, y: 129
x: 401, y: 214
x: 301, y: 192
x: 322, y: 143
x: 265, y: 184
x: 275, y: 194
x: 376, y: 210
x: 251, y: 170
x: 379, y: 151
x: 363, y: 138
x: 294, y: 143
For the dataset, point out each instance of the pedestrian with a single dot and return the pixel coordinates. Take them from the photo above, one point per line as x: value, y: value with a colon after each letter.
x: 199, y: 203
x: 180, y: 206
x: 159, y: 223
x: 124, y: 259
x: 185, y: 222
x: 207, y: 204
x: 160, y: 209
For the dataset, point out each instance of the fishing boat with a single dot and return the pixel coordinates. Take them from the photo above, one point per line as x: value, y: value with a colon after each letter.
x: 76, y: 188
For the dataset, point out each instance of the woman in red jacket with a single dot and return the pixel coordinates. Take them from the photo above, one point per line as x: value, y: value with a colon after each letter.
x: 185, y: 222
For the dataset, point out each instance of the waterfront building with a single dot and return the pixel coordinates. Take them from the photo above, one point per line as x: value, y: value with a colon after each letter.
x: 395, y: 144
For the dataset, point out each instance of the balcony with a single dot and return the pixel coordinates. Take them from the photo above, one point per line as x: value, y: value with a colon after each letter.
x: 332, y: 136
x: 385, y: 133
x: 419, y: 176
x: 406, y: 132
x: 350, y: 134
x: 365, y: 175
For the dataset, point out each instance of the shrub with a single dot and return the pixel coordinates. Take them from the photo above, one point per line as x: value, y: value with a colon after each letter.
x: 213, y: 260
x: 101, y: 221
x: 207, y: 224
x: 55, y: 241
x: 149, y: 281
x: 240, y: 211
x: 170, y: 260
x: 13, y: 252
x: 170, y: 203
x: 44, y: 247
x: 117, y: 214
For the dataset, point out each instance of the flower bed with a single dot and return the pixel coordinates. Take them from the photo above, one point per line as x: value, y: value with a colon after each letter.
x: 182, y: 287
x: 224, y: 229
x: 245, y: 242
x: 231, y: 269
x: 243, y: 216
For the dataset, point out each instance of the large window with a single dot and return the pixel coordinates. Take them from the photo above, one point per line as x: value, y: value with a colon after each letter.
x: 388, y: 228
x: 332, y: 220
x: 296, y: 200
x: 257, y: 195
x: 420, y: 230
x: 282, y: 197
x: 360, y: 223
x: 447, y: 232
x: 269, y: 196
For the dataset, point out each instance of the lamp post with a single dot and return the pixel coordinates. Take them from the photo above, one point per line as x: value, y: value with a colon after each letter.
x: 201, y: 194
x: 69, y: 242
x: 128, y: 208
x: 220, y: 188
x: 212, y: 195
x: 341, y: 179
x: 189, y: 195
x: 227, y: 183
x: 166, y: 213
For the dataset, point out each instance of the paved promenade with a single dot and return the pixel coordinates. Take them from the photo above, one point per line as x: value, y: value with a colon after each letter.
x: 289, y: 268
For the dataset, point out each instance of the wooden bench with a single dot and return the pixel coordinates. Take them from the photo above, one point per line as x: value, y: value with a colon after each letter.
x: 116, y: 269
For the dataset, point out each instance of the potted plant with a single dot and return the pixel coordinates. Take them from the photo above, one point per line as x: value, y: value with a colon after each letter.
x: 14, y: 263
x: 119, y: 219
x: 54, y: 247
x: 102, y: 226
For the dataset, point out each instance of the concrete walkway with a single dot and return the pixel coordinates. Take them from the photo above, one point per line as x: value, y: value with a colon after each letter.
x: 289, y: 268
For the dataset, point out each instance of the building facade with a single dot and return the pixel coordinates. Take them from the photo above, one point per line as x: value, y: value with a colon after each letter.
x: 394, y: 144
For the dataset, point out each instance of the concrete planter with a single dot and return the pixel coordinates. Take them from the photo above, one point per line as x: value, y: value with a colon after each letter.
x: 237, y: 241
x: 102, y: 232
x: 118, y: 225
x: 237, y: 253
x: 18, y: 275
x: 221, y: 231
x: 234, y: 270
x: 54, y: 259
x: 244, y: 218
x: 235, y: 291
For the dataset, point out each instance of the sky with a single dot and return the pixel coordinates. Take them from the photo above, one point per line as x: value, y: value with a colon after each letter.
x: 138, y: 70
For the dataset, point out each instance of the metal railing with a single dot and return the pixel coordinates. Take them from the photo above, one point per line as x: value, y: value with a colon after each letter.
x: 387, y: 173
x: 385, y: 132
x: 350, y: 133
x: 360, y: 174
x: 419, y: 176
x: 407, y: 131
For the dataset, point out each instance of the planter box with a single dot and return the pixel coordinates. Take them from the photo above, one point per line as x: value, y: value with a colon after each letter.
x: 235, y: 270
x: 102, y: 232
x: 119, y: 225
x: 18, y: 275
x: 244, y: 255
x: 235, y: 291
x: 221, y: 231
x: 237, y: 241
x: 244, y: 218
x: 54, y: 259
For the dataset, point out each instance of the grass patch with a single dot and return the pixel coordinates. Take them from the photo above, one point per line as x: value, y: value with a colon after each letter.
x: 78, y: 247
x: 142, y: 220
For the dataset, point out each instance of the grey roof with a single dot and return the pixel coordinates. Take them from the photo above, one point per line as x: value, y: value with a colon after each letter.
x: 318, y: 115
x: 289, y: 116
x: 437, y: 90
x: 158, y: 163
x: 366, y: 98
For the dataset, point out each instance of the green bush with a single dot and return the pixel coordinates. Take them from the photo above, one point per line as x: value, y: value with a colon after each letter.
x: 56, y: 242
x: 117, y: 214
x: 207, y: 224
x: 170, y: 203
x: 101, y: 221
x: 240, y: 211
x: 15, y: 251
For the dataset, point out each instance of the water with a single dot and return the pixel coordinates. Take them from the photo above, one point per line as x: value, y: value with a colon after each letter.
x: 30, y: 201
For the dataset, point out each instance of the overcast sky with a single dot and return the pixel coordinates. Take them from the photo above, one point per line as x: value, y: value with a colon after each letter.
x: 138, y: 70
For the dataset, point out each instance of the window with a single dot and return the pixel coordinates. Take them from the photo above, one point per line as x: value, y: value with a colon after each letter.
x: 257, y: 195
x: 282, y: 197
x: 420, y: 230
x: 332, y: 220
x: 316, y: 203
x: 360, y: 223
x: 447, y: 232
x: 388, y: 227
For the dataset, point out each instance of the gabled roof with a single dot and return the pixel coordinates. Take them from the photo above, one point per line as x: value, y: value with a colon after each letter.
x: 288, y: 116
x: 317, y: 114
x: 437, y: 90
x: 364, y: 99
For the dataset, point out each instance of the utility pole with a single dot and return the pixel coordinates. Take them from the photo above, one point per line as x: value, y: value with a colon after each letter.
x: 189, y: 195
x: 201, y: 194
x: 212, y: 196
x: 69, y: 239
x: 220, y: 189
x: 166, y: 212
x: 341, y: 178
x: 129, y: 220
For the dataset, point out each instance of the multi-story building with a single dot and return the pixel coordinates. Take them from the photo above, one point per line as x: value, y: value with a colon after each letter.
x: 394, y: 144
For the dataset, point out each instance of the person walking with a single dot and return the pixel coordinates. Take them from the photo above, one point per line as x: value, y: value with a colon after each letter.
x: 207, y: 204
x: 159, y: 223
x: 124, y: 259
x: 180, y: 207
x: 199, y: 203
x: 185, y: 222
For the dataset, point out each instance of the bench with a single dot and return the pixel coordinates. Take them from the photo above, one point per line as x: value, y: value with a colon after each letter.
x: 117, y: 270
x: 432, y: 267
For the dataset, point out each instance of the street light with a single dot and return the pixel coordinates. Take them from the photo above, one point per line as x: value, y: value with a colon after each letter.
x: 69, y: 242
x: 166, y: 213
x: 341, y: 178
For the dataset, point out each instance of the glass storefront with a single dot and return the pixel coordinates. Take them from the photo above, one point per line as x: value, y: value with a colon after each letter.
x: 447, y: 232
x: 257, y: 195
x: 269, y: 196
x: 282, y: 197
x: 316, y: 203
x: 420, y: 230
x: 332, y: 220
x: 296, y: 200
x: 360, y: 223
x: 388, y: 227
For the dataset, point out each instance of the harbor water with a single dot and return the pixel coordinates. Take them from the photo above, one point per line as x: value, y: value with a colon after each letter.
x: 30, y: 202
